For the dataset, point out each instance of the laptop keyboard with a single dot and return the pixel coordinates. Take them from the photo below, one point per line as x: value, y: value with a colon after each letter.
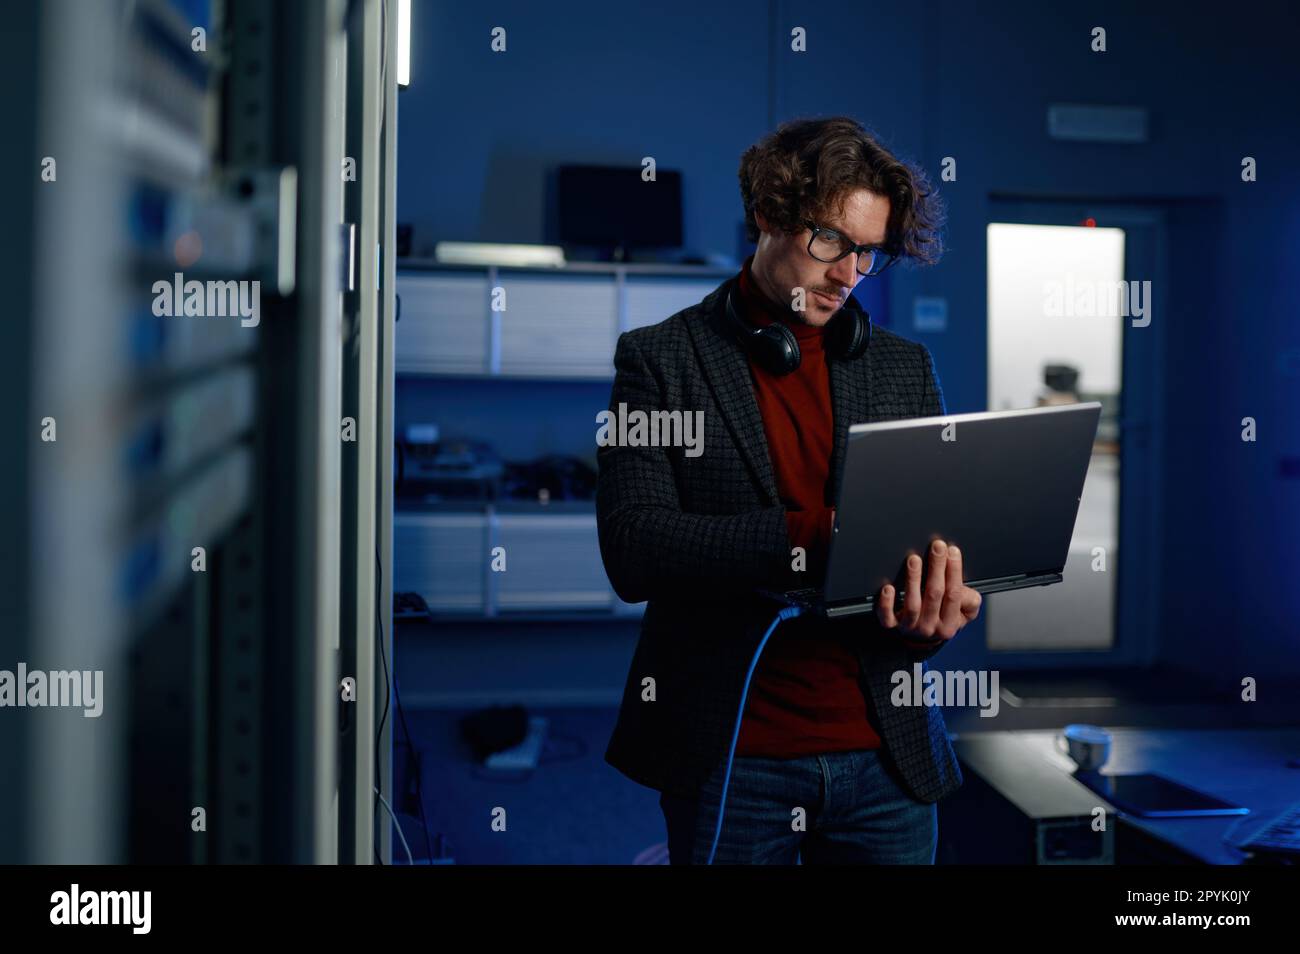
x: 1282, y: 836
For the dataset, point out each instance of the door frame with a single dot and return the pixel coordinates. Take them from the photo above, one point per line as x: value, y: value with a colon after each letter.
x: 1137, y: 564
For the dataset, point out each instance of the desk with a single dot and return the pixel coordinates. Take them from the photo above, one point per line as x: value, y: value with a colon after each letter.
x: 1245, y: 766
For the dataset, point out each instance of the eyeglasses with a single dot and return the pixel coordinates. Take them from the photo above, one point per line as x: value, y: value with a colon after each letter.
x: 827, y: 245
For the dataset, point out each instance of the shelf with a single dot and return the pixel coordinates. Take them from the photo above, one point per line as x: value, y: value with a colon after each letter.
x: 414, y: 505
x: 595, y: 268
x: 553, y: 563
x: 633, y: 613
x: 556, y: 324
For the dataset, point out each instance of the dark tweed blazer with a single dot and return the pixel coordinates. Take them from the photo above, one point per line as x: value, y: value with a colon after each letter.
x: 695, y: 535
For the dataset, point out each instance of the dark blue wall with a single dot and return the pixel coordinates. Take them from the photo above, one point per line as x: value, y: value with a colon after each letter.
x: 694, y: 83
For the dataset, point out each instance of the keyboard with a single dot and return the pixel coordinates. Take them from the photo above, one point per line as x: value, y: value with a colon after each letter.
x: 1281, y: 837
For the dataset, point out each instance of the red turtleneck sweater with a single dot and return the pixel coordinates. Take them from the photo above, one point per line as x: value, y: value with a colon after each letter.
x: 806, y: 697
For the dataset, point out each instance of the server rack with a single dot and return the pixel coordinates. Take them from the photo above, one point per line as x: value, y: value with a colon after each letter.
x: 174, y: 514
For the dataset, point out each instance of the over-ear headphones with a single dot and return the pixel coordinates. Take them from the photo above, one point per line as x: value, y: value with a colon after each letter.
x: 848, y: 335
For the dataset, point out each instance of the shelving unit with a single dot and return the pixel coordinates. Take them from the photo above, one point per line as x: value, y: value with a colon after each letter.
x: 553, y: 563
x: 559, y: 324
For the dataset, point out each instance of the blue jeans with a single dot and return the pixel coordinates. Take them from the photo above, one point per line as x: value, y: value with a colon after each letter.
x: 854, y: 812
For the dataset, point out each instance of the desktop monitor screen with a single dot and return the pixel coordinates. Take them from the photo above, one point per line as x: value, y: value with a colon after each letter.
x: 612, y: 206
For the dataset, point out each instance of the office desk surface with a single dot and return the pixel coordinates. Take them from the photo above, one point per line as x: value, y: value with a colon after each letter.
x: 1246, y: 766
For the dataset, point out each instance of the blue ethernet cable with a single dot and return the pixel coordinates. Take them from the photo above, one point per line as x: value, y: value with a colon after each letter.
x: 790, y: 612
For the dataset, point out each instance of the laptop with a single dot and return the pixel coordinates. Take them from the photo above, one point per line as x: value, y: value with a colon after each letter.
x: 1004, y: 486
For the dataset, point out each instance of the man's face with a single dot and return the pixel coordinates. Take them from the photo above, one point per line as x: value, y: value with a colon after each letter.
x: 782, y: 262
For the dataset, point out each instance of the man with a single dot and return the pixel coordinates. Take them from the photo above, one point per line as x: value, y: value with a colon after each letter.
x: 781, y: 361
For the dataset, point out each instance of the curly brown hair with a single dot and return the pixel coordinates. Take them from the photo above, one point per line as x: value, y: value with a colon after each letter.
x: 807, y: 167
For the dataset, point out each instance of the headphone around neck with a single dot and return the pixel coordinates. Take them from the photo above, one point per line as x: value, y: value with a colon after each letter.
x: 848, y: 335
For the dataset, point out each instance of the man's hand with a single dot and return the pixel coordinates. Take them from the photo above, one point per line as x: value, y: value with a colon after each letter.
x: 940, y: 610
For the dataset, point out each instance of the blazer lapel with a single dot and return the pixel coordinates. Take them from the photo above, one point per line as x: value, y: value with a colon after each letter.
x: 850, y: 404
x: 726, y: 366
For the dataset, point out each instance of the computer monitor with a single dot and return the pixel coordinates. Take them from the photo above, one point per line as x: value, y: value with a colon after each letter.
x: 612, y: 207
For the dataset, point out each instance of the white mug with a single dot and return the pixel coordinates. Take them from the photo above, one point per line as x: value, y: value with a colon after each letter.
x: 1087, y: 745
